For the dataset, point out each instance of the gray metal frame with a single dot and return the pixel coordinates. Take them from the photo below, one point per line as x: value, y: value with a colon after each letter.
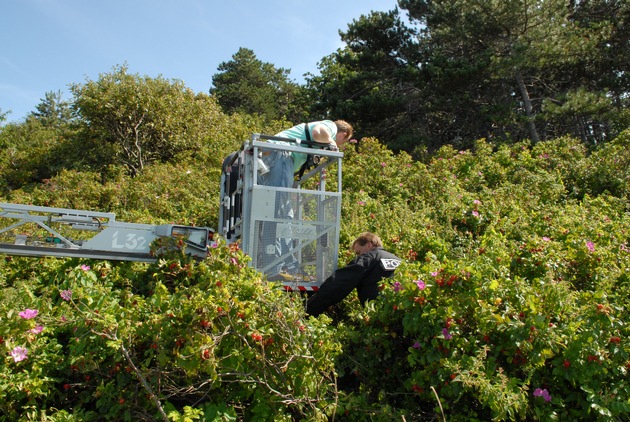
x: 102, y: 236
x: 246, y: 204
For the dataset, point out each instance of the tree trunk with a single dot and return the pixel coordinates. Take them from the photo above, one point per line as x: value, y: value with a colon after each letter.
x: 531, y: 126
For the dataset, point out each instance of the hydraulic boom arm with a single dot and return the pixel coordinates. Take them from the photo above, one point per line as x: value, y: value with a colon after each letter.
x: 46, y: 231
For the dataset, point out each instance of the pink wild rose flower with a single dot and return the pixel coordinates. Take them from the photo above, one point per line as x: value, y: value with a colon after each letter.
x: 28, y: 313
x: 446, y: 334
x: 66, y: 295
x: 542, y: 393
x: 37, y: 329
x: 19, y: 353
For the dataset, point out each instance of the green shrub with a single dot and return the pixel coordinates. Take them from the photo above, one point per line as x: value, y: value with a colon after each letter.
x: 523, y: 254
x: 176, y: 338
x: 516, y: 312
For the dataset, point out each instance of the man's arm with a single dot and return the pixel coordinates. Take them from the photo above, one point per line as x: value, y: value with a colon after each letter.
x: 335, y: 289
x: 321, y: 133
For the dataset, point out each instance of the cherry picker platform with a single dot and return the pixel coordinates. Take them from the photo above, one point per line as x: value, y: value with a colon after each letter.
x: 291, y: 233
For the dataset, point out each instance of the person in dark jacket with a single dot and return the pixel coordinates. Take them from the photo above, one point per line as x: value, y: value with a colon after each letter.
x: 363, y: 273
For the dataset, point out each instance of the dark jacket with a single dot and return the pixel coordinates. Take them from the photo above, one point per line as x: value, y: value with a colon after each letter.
x: 363, y: 273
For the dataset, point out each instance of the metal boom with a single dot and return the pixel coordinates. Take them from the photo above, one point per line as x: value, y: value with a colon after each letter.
x: 45, y: 231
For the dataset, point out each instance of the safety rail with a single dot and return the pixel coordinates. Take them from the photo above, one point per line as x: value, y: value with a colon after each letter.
x: 297, y: 246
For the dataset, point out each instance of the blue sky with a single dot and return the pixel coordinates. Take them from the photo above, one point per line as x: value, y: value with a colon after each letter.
x: 48, y: 44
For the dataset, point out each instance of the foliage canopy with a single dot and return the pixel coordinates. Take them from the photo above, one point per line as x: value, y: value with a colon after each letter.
x: 513, y: 300
x: 511, y: 304
x: 460, y: 70
x: 250, y: 86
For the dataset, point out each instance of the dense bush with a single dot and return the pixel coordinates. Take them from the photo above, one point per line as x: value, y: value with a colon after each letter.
x: 516, y: 305
x: 511, y: 305
x: 177, y: 339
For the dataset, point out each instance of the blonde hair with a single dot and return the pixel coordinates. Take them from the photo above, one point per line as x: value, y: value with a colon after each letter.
x: 343, y: 126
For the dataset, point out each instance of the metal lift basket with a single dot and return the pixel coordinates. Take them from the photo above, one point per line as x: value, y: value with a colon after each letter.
x: 299, y: 246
